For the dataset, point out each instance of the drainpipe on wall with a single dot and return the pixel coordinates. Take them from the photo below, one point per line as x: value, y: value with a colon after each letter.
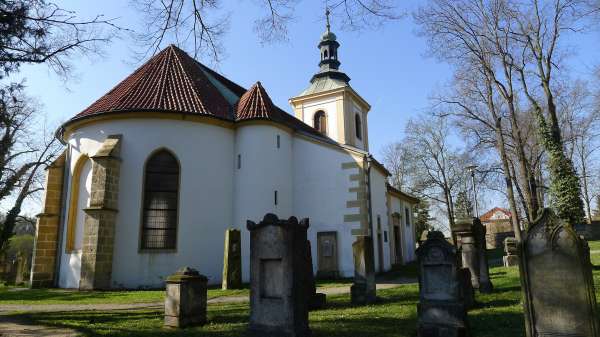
x: 61, y: 217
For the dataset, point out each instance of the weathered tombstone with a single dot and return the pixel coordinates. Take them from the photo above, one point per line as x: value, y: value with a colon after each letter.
x: 485, y: 284
x: 232, y: 260
x: 467, y: 288
x: 511, y: 250
x: 441, y: 309
x: 557, y: 281
x: 467, y: 245
x: 185, y: 303
x: 363, y: 289
x: 315, y: 300
x: 278, y: 303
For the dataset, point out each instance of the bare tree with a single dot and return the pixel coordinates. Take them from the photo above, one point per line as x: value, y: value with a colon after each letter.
x: 397, y: 159
x: 38, y: 31
x: 22, y: 154
x: 199, y: 25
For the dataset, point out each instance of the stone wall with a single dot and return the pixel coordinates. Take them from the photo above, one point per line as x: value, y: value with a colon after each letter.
x: 46, y: 234
x: 99, y: 225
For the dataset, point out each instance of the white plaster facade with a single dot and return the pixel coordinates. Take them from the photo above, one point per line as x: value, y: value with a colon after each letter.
x: 215, y: 194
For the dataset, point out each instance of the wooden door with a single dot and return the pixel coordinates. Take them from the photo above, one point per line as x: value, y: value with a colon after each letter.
x: 327, y: 253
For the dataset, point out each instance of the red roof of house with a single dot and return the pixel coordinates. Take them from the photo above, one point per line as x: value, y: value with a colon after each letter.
x: 173, y: 81
x: 488, y: 215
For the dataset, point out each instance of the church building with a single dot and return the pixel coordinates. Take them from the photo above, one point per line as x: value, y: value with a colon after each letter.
x: 155, y: 171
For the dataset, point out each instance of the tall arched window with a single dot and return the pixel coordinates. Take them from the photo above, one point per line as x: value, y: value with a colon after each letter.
x: 161, y: 194
x: 81, y: 184
x: 358, y: 126
x: 320, y: 122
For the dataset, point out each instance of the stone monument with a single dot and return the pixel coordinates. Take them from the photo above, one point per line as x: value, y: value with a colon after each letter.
x: 185, y: 303
x: 556, y: 273
x: 315, y: 300
x: 278, y: 278
x: 363, y: 289
x: 485, y: 284
x: 467, y: 246
x: 232, y: 260
x: 467, y: 288
x: 441, y: 309
x: 511, y: 249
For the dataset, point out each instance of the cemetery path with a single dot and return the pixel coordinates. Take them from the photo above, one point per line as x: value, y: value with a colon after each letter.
x: 6, y: 308
x: 11, y: 327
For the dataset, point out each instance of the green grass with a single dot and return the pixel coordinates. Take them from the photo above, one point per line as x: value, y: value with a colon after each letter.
x: 499, y: 314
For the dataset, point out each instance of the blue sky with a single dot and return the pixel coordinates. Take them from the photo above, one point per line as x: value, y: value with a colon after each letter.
x: 388, y: 66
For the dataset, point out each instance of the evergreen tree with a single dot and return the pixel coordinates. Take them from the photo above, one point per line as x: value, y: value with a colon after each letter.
x: 463, y: 208
x: 423, y: 219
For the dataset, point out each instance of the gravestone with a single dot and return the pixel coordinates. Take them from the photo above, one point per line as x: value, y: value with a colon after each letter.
x: 467, y: 246
x: 315, y: 300
x: 441, y: 309
x: 363, y: 289
x: 467, y: 288
x: 185, y: 302
x: 232, y: 260
x: 278, y: 278
x: 485, y: 284
x: 559, y: 297
x: 511, y: 250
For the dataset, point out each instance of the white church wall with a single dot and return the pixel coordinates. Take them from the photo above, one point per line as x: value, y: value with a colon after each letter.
x: 360, y: 143
x: 264, y: 168
x: 205, y: 154
x: 379, y: 208
x: 320, y: 194
x: 409, y: 232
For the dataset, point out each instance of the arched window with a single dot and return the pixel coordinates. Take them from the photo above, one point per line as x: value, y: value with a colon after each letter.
x: 161, y: 194
x: 320, y: 122
x: 81, y: 184
x: 325, y: 53
x: 358, y: 126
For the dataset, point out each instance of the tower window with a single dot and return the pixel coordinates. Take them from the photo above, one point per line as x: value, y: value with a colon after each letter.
x: 358, y: 126
x: 320, y: 122
x: 275, y: 197
x: 325, y: 53
x: 239, y: 161
x: 278, y: 141
x: 161, y: 190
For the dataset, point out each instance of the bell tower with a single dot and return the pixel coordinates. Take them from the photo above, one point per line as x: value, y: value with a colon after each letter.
x: 329, y: 104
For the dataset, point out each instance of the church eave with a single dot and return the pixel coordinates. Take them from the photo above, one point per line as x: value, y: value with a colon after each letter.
x: 348, y: 89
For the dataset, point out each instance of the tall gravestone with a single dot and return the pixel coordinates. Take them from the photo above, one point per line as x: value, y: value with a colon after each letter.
x: 556, y: 273
x: 363, y: 290
x: 467, y: 246
x: 232, y: 260
x: 278, y: 303
x: 441, y: 309
x: 479, y: 231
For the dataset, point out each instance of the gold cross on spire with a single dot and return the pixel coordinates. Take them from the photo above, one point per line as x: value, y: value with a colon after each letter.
x: 327, y: 12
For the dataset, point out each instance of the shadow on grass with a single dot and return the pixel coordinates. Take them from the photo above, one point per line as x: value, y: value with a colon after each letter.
x: 497, y: 324
x: 44, y: 295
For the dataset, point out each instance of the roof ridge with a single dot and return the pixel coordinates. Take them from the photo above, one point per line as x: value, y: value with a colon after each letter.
x: 186, y: 77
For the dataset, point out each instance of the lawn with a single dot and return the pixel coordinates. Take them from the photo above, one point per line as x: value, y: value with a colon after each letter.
x: 498, y: 314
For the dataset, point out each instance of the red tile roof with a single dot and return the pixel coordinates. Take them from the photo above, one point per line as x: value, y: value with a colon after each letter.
x: 172, y: 81
x: 488, y: 215
x: 255, y: 103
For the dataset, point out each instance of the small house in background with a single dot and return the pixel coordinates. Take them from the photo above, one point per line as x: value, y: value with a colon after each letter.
x: 498, y: 226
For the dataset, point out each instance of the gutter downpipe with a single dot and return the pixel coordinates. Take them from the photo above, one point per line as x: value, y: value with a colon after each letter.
x: 368, y: 159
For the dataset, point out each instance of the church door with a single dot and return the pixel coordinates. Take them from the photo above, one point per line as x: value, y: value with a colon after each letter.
x: 398, y: 245
x: 327, y: 255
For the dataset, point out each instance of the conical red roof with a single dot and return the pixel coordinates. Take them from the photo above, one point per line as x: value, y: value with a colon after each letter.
x: 170, y: 81
x: 255, y: 103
